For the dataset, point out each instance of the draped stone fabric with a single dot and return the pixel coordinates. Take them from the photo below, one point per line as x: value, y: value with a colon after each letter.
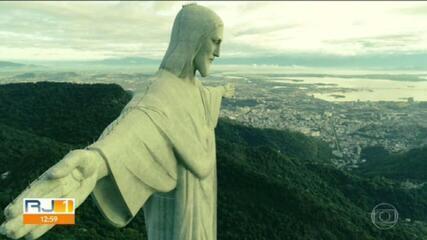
x: 161, y: 155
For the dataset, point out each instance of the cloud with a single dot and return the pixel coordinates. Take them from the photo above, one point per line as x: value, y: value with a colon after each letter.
x: 119, y: 29
x: 383, y: 44
x: 421, y: 10
x: 263, y: 30
x: 93, y: 26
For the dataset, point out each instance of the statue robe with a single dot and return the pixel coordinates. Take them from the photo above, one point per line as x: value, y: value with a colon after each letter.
x: 161, y: 156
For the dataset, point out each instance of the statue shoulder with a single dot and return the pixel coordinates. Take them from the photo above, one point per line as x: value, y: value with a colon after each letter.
x: 155, y: 95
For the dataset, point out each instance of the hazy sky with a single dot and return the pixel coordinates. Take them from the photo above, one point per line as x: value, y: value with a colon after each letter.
x: 97, y: 30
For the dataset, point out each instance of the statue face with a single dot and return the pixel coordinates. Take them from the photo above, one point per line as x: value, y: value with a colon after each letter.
x: 208, y: 51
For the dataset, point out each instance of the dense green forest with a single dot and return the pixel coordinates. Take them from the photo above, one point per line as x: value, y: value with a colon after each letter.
x: 411, y: 165
x: 271, y: 184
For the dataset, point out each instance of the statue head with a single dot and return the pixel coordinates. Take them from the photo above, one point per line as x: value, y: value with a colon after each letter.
x: 195, y: 41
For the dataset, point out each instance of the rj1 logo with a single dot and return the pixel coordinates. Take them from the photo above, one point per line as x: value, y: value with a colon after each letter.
x: 48, y: 211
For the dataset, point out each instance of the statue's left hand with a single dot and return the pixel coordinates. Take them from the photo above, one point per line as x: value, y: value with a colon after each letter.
x: 75, y: 176
x: 229, y: 90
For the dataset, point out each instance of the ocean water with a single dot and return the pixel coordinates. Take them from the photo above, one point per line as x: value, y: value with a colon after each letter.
x: 363, y: 89
x: 385, y: 85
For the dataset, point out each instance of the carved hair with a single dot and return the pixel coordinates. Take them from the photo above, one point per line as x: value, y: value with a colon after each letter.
x: 191, y: 27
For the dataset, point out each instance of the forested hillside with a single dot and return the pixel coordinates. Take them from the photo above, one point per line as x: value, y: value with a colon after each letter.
x: 411, y: 165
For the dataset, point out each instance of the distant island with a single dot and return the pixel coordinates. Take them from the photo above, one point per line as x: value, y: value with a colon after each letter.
x: 337, y: 96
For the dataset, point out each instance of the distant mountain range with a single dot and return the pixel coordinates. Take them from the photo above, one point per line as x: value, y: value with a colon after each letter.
x: 105, y: 63
x: 4, y: 64
x: 128, y: 61
x: 14, y: 65
x: 372, y: 61
x: 380, y: 61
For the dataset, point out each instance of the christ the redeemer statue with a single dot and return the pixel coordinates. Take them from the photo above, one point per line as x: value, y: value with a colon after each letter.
x: 159, y: 154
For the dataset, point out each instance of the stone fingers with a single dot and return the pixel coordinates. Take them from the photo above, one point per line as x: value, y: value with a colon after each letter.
x: 8, y: 228
x: 15, y: 228
x: 36, y: 190
x: 70, y: 162
x: 79, y: 194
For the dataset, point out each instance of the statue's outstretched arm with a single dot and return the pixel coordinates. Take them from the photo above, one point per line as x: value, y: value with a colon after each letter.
x: 75, y: 176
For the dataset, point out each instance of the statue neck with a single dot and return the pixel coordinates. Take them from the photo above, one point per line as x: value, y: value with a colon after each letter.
x: 189, y: 77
